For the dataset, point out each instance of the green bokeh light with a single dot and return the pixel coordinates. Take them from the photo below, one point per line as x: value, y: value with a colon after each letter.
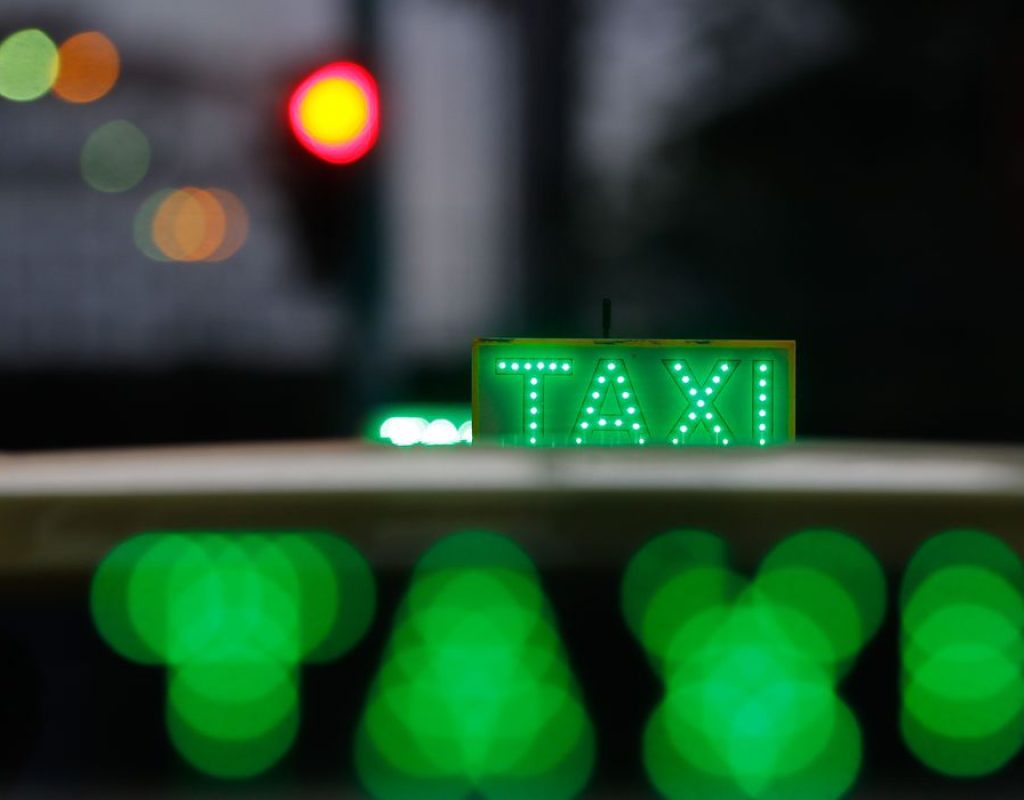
x: 667, y: 558
x: 751, y: 708
x: 232, y: 616
x: 115, y: 157
x: 475, y: 694
x: 833, y: 589
x: 963, y: 617
x: 421, y: 424
x: 962, y: 547
x: 142, y: 226
x: 111, y: 609
x: 231, y: 758
x: 28, y: 65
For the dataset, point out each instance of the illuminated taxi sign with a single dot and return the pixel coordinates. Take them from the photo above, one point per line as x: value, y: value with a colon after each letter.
x: 640, y: 392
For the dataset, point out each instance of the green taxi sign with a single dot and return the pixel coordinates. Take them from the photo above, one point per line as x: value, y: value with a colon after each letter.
x: 633, y: 392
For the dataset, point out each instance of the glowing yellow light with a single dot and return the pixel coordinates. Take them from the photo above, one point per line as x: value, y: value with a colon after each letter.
x: 334, y: 111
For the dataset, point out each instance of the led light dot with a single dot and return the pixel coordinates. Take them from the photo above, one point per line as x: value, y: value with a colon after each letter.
x: 763, y: 368
x: 611, y: 365
x: 515, y: 365
x: 565, y: 367
x: 533, y: 395
x: 762, y: 427
x: 621, y: 379
x: 762, y: 382
x: 552, y: 366
x: 701, y: 404
x: 527, y: 365
x: 708, y: 415
x: 684, y: 428
x: 595, y: 395
x: 762, y: 397
x: 533, y: 381
x: 631, y: 410
x: 601, y: 379
x: 677, y: 367
x: 761, y: 413
x: 590, y: 409
x: 602, y: 422
x: 540, y: 365
x: 761, y: 441
x: 533, y: 410
x: 685, y: 379
x: 725, y: 441
x: 675, y: 441
x: 693, y: 392
x: 708, y: 390
x: 643, y: 440
x: 618, y: 423
x: 717, y: 429
x: 716, y: 379
x: 692, y: 415
x: 636, y: 426
x: 533, y: 440
x: 584, y: 425
x: 533, y: 426
x: 579, y: 440
x: 725, y: 367
x: 502, y: 365
x: 625, y: 395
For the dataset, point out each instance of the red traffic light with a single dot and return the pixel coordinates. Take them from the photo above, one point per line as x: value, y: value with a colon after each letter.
x: 335, y: 112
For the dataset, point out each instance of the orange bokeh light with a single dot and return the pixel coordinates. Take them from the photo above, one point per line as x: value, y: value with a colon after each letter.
x: 89, y: 66
x: 236, y: 230
x: 192, y: 224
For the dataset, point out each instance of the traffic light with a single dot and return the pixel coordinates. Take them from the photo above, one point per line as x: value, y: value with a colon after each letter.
x: 331, y: 118
x: 335, y: 112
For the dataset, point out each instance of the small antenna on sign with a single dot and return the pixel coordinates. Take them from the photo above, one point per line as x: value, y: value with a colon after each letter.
x: 606, y: 318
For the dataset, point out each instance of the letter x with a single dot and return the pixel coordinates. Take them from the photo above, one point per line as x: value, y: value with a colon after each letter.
x: 700, y: 399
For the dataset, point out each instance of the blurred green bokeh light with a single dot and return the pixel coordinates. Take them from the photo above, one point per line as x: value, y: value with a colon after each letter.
x: 963, y: 615
x: 28, y: 65
x: 423, y: 424
x: 232, y: 617
x: 751, y: 708
x: 115, y: 157
x: 475, y: 696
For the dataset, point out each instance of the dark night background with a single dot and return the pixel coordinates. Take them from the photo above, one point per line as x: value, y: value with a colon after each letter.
x: 848, y: 174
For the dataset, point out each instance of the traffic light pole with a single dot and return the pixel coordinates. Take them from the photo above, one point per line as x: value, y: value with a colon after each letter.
x: 371, y: 373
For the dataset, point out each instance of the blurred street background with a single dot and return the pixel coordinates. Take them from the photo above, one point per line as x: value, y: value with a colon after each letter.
x: 847, y: 173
